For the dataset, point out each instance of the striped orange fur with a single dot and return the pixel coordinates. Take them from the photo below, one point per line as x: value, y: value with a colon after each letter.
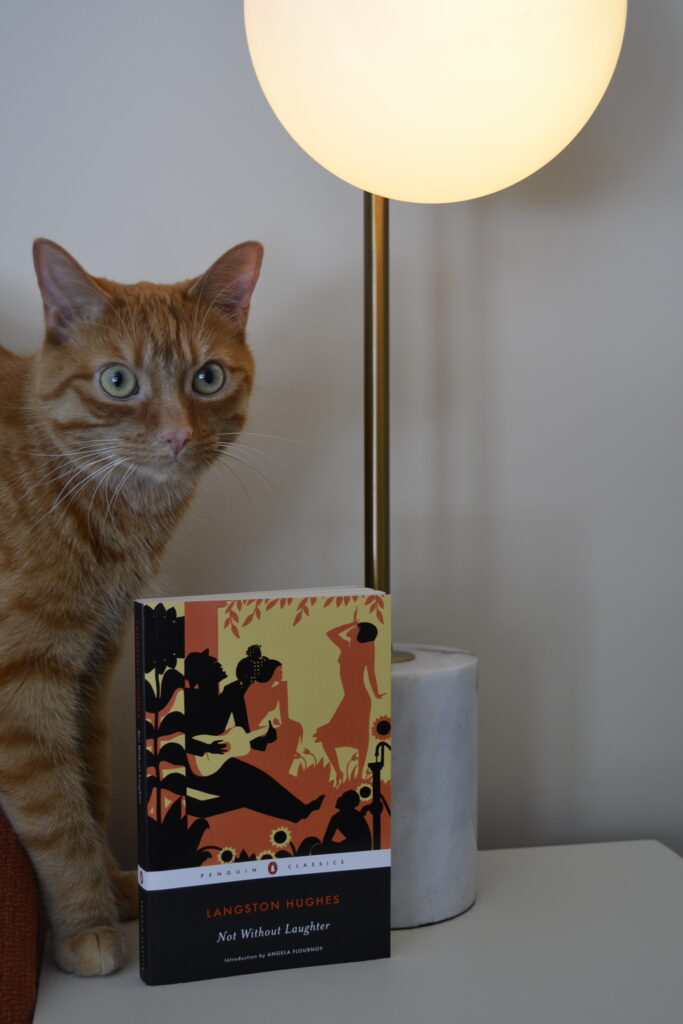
x: 93, y: 480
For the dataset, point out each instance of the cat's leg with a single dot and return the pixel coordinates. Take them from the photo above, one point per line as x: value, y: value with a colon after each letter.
x: 94, y: 734
x: 43, y: 793
x: 126, y: 892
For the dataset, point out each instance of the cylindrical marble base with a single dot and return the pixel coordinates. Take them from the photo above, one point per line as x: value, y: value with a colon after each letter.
x: 434, y: 786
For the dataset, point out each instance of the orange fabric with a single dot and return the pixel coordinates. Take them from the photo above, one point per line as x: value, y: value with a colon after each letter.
x: 19, y: 930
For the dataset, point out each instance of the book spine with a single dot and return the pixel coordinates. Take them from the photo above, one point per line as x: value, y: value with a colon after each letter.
x: 141, y: 778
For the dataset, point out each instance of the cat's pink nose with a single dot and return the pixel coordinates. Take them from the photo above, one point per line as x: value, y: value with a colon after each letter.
x: 177, y: 439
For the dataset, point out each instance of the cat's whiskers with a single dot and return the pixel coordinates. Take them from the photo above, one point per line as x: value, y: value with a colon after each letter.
x: 225, y: 484
x: 50, y: 455
x: 101, y: 475
x: 257, y: 451
x: 78, y: 469
x: 103, y: 480
x: 225, y: 464
x: 75, y: 488
x: 66, y: 465
x: 225, y: 454
x: 277, y: 437
x: 112, y: 500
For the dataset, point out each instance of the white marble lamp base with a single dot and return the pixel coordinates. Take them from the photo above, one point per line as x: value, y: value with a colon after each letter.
x: 434, y: 786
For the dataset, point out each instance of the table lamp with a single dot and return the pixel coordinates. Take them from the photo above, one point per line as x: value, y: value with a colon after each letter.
x: 435, y: 101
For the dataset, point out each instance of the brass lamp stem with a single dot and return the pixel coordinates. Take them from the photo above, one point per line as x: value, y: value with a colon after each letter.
x: 376, y: 243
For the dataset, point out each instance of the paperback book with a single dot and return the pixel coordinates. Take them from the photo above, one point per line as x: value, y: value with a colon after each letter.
x: 264, y: 781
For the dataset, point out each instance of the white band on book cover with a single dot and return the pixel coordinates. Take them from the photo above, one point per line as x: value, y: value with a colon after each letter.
x: 251, y: 870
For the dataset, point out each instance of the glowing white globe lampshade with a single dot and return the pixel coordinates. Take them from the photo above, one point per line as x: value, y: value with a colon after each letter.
x: 434, y: 101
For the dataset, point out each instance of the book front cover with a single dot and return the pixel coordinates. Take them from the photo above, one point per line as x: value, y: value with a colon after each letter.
x: 264, y: 783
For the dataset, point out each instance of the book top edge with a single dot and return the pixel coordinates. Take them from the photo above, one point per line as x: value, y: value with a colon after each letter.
x: 255, y: 595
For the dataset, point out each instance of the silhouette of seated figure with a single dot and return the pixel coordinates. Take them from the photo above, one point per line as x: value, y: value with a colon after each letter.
x: 266, y: 697
x: 207, y: 707
x: 217, y: 736
x: 350, y: 823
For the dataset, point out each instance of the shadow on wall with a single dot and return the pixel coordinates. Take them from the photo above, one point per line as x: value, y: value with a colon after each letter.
x: 483, y: 573
x: 537, y: 691
x: 624, y: 141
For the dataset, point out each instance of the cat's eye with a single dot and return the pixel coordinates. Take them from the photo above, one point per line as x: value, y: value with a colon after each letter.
x: 118, y: 381
x: 209, y: 379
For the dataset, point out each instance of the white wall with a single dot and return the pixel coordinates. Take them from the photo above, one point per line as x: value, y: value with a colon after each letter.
x: 537, y: 368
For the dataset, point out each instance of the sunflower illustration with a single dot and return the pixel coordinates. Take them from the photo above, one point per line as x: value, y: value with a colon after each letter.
x: 227, y: 855
x: 280, y: 836
x: 365, y: 792
x: 381, y: 727
x: 265, y: 855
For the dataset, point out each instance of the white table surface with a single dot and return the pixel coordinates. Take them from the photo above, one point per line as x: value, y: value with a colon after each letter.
x: 587, y: 934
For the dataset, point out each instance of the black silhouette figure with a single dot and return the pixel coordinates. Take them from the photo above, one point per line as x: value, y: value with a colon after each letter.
x: 352, y: 825
x: 266, y: 696
x: 254, y: 667
x: 205, y: 706
x: 230, y: 783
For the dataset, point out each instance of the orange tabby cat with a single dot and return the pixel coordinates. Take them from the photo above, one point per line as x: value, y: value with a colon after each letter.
x: 104, y: 433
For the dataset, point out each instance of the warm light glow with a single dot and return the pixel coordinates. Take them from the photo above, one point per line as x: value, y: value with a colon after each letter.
x: 434, y: 101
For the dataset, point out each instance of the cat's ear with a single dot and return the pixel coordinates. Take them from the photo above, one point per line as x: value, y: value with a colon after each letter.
x: 228, y: 284
x: 69, y: 293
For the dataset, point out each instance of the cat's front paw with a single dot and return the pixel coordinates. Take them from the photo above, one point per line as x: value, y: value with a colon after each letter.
x: 126, y: 892
x: 100, y: 950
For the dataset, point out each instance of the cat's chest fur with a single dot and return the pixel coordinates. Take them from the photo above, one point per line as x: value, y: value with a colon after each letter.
x: 68, y: 576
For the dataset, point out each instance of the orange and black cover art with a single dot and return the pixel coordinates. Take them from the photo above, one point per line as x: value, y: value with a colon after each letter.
x: 264, y: 781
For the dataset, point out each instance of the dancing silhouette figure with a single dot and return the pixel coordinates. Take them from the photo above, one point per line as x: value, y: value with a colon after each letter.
x: 350, y: 724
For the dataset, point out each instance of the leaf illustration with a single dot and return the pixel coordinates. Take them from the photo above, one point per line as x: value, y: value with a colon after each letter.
x: 175, y: 722
x: 151, y: 702
x: 255, y: 614
x: 172, y: 753
x: 175, y: 782
x: 197, y: 830
x: 165, y: 630
x: 172, y: 681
